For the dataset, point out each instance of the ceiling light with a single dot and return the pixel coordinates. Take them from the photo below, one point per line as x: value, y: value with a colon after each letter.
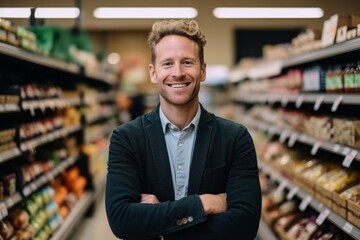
x: 250, y: 12
x: 145, y: 12
x: 57, y: 12
x: 15, y: 12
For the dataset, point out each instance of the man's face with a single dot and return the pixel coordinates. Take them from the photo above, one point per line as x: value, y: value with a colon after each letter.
x: 177, y: 70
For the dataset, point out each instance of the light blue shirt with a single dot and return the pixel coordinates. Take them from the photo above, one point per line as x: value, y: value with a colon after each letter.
x: 180, y: 147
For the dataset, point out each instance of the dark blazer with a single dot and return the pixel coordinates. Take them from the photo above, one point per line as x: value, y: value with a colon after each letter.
x: 224, y: 161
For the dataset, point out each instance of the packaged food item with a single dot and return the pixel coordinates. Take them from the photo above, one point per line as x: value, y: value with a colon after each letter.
x: 19, y: 218
x: 6, y: 229
x: 338, y: 179
x: 352, y: 194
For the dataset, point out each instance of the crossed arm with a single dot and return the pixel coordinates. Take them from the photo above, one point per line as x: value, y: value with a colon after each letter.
x: 212, y: 203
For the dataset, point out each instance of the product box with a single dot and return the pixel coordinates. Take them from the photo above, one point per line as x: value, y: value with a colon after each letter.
x: 339, y: 205
x: 353, y: 214
x: 323, y: 195
x: 330, y: 27
x: 313, y: 79
x: 347, y: 132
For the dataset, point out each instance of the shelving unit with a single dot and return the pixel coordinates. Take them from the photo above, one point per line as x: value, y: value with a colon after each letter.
x: 20, y: 66
x: 312, y: 101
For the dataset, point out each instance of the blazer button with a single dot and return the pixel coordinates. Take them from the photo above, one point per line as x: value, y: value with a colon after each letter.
x: 184, y: 221
x: 179, y: 222
x: 190, y: 219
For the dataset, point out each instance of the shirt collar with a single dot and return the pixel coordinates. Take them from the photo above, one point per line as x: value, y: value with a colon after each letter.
x: 165, y: 121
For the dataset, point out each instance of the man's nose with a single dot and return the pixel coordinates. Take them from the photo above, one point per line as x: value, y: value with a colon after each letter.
x: 178, y: 70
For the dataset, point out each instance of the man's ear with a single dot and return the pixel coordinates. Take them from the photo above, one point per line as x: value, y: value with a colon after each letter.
x: 152, y: 74
x: 203, y: 72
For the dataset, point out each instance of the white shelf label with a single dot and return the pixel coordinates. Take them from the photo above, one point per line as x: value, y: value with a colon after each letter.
x: 348, y: 227
x: 315, y: 147
x: 292, y: 140
x: 349, y: 158
x: 305, y: 203
x: 284, y: 101
x: 284, y: 134
x: 318, y: 103
x: 336, y: 103
x: 291, y: 194
x: 322, y: 216
x: 299, y: 101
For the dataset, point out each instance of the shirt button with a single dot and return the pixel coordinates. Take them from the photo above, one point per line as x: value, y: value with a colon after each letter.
x: 180, y: 145
x: 190, y: 219
x: 179, y: 222
x: 179, y: 166
x: 184, y: 221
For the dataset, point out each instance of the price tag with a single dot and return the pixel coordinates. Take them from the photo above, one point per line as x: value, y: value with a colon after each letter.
x: 292, y: 193
x: 322, y: 216
x: 9, y: 202
x: 315, y: 147
x: 26, y: 191
x: 346, y: 151
x: 272, y: 131
x: 284, y: 134
x: 349, y: 158
x: 293, y: 138
x: 299, y: 101
x: 305, y: 203
x: 348, y: 227
x: 318, y: 103
x: 336, y: 148
x: 281, y: 186
x: 336, y: 103
x: 284, y: 101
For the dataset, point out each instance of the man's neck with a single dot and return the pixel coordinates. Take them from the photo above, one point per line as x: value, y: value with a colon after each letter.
x: 180, y: 116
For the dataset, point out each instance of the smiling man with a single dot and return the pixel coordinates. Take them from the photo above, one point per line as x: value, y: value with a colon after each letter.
x: 180, y: 172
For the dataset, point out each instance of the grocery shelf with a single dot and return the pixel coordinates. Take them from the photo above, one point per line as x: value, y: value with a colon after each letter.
x: 291, y: 136
x: 11, y: 201
x: 106, y: 77
x: 9, y: 154
x: 298, y: 99
x: 31, y: 105
x: 9, y: 107
x: 323, y: 53
x: 71, y: 222
x: 24, y: 55
x: 264, y: 232
x: 308, y: 200
x: 271, y: 68
x: 38, y: 141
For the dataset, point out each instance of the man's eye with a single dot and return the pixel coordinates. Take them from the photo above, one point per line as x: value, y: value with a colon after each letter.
x: 188, y: 63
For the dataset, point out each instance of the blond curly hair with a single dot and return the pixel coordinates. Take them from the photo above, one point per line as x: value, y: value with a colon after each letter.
x: 186, y: 28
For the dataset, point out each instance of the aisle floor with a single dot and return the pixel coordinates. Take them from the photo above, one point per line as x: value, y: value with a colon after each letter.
x: 95, y: 227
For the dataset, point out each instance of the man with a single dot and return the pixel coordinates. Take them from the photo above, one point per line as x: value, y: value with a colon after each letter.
x: 180, y: 172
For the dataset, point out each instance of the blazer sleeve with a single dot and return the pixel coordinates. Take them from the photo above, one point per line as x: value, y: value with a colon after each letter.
x: 241, y: 220
x: 127, y: 217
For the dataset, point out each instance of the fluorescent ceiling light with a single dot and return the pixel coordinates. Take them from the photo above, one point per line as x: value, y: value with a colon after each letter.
x: 57, y: 12
x: 145, y: 12
x: 41, y: 12
x: 251, y: 12
x: 15, y: 12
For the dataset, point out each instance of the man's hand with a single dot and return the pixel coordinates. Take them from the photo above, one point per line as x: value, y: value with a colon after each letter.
x: 148, y: 198
x: 214, y: 203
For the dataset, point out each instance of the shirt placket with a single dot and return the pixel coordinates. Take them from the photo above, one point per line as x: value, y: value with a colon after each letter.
x: 180, y: 161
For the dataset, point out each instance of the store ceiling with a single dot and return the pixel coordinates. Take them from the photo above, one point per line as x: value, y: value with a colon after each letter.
x: 204, y: 7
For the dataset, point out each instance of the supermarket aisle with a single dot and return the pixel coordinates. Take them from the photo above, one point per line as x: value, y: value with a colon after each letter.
x: 95, y: 227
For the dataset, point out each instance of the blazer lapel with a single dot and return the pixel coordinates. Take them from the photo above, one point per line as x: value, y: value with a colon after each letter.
x: 202, y: 144
x: 160, y: 156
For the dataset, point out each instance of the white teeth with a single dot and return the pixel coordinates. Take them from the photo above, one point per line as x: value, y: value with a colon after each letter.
x: 178, y: 85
